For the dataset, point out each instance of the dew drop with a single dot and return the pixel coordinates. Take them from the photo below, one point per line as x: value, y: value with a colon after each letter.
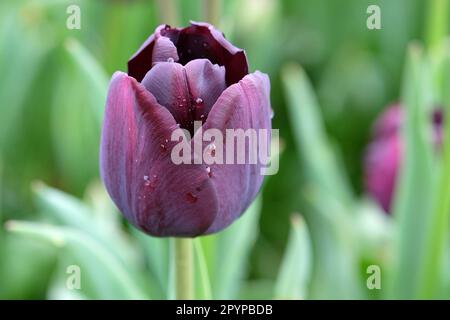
x: 202, y: 116
x: 166, y: 140
x: 170, y: 59
x: 212, y: 149
x: 163, y: 146
x: 199, y: 100
x: 191, y: 197
x: 208, y: 170
x: 205, y: 45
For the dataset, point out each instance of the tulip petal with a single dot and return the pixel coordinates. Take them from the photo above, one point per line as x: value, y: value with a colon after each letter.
x: 164, y: 50
x: 167, y: 82
x: 381, y: 165
x: 188, y: 92
x: 206, y: 83
x: 155, y: 195
x: 245, y: 105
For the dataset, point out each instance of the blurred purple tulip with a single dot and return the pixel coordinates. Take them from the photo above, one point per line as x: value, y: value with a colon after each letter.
x: 385, y: 153
x: 177, y: 77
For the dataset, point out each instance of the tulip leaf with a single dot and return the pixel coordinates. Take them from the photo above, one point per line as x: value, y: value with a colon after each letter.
x: 71, y: 212
x: 326, y: 192
x: 295, y: 271
x: 92, y: 72
x: 436, y: 240
x: 310, y: 136
x: 415, y: 189
x: 17, y: 42
x: 232, y: 248
x: 157, y: 254
x: 100, y: 269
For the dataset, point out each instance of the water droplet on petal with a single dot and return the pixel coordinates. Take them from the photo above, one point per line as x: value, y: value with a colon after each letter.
x: 191, y: 197
x: 170, y: 59
x: 199, y: 100
x: 205, y: 44
x: 208, y: 170
x: 163, y: 146
x: 212, y: 149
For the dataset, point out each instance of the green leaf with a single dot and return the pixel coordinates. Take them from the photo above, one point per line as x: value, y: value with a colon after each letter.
x: 100, y: 269
x: 157, y: 254
x: 93, y: 73
x: 309, y: 133
x: 71, y: 212
x: 437, y: 226
x: 414, y: 193
x: 232, y: 248
x: 295, y: 271
x: 327, y: 194
x: 23, y: 48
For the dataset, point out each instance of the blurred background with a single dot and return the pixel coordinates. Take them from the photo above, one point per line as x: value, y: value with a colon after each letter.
x: 312, y: 233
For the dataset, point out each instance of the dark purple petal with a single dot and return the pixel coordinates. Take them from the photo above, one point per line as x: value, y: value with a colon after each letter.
x: 206, y: 83
x: 155, y: 195
x: 141, y: 61
x: 200, y: 40
x: 241, y: 106
x: 188, y: 92
x: 164, y: 50
x: 167, y: 82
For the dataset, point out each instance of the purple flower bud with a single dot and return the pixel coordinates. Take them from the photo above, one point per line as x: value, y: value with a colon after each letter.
x: 177, y: 77
x: 385, y: 153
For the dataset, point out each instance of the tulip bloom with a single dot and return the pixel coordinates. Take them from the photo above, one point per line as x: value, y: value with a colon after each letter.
x: 178, y: 77
x: 385, y: 153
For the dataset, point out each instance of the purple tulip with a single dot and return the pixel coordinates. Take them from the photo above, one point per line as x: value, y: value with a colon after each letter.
x: 385, y: 153
x: 177, y: 77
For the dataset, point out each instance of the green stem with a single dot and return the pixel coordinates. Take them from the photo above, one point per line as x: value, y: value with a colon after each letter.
x: 212, y: 11
x: 184, y: 268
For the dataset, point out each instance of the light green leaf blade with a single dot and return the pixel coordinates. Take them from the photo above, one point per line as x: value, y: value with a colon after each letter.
x: 295, y: 271
x: 414, y: 193
x: 109, y: 278
x: 312, y: 143
x: 232, y: 249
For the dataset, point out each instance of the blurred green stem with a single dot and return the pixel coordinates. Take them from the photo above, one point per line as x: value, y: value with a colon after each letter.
x: 184, y: 266
x: 437, y: 22
x: 168, y: 11
x: 212, y: 11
